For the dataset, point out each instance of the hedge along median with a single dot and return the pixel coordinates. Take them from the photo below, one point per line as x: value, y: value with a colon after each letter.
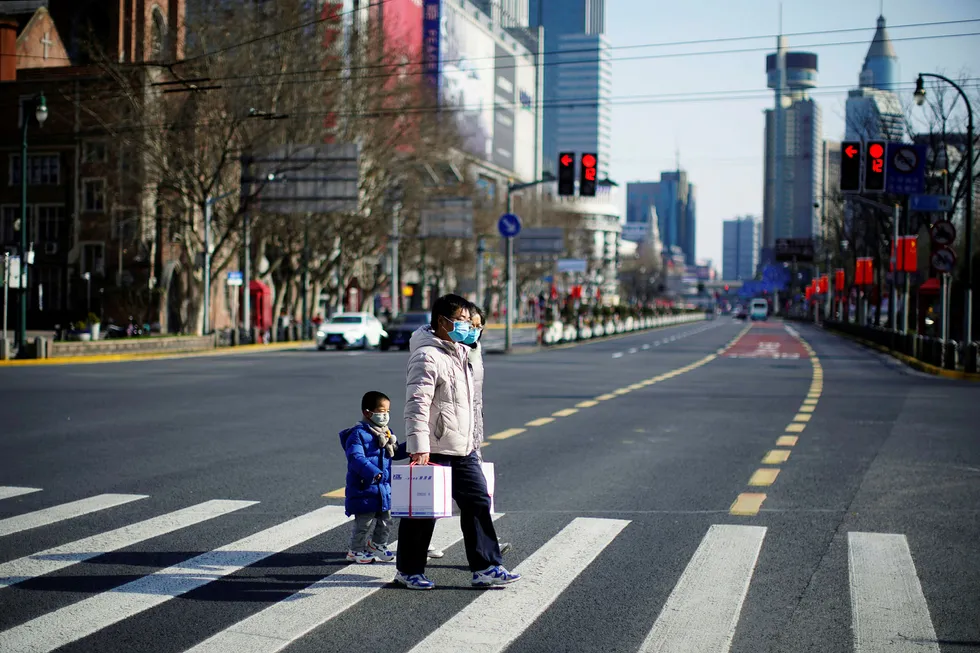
x: 156, y: 345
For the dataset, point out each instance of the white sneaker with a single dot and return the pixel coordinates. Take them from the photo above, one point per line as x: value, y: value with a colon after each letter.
x: 380, y: 553
x: 434, y: 552
x: 360, y: 557
x: 414, y: 582
x: 495, y: 575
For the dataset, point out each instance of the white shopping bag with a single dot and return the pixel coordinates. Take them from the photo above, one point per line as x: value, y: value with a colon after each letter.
x: 421, y: 491
x: 488, y: 474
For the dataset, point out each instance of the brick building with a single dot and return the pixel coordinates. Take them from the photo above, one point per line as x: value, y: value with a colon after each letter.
x: 99, y: 242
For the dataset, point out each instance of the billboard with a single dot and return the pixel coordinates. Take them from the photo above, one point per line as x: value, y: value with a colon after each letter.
x: 504, y: 108
x: 467, y: 54
x: 402, y: 20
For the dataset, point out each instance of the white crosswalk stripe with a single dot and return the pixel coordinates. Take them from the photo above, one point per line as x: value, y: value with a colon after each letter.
x: 64, y: 511
x: 495, y: 619
x: 71, y: 623
x: 888, y: 610
x: 702, y: 612
x: 59, y: 557
x: 284, y: 622
x: 7, y: 492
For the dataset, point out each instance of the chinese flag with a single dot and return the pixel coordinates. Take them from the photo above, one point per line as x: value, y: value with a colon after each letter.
x: 839, y: 280
x: 908, y: 261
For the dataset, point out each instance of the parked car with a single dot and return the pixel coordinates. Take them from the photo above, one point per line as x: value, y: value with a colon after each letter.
x: 400, y: 329
x: 350, y: 330
x: 741, y: 313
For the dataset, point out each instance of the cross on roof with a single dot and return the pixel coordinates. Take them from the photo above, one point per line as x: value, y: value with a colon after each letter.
x: 47, y: 43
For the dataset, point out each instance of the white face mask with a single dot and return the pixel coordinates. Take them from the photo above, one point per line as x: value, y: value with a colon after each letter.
x: 380, y: 419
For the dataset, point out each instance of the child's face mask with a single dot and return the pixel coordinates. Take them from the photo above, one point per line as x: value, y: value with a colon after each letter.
x: 380, y: 419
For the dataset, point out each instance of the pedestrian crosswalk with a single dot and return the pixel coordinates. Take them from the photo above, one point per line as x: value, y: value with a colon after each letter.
x: 701, y: 612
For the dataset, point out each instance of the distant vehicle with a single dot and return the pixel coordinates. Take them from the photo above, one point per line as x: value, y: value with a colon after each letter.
x: 741, y: 313
x: 350, y: 330
x: 759, y: 309
x: 400, y: 330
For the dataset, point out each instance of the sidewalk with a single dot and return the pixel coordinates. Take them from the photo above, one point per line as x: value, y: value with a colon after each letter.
x: 122, y: 358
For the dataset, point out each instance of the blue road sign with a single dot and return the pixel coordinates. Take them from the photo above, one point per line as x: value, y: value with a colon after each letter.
x: 509, y: 225
x: 937, y: 203
x: 905, y: 169
x: 234, y: 278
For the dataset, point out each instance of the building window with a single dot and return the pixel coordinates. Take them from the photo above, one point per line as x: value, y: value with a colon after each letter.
x: 158, y: 35
x: 42, y: 170
x: 48, y: 284
x: 93, y: 258
x: 94, y: 152
x: 47, y: 223
x: 125, y: 225
x: 127, y: 162
x: 9, y: 215
x: 93, y: 195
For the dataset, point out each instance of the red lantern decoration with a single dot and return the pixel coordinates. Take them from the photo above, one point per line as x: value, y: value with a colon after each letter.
x: 864, y: 272
x: 839, y: 280
x: 910, y: 257
x: 809, y: 292
x: 824, y: 285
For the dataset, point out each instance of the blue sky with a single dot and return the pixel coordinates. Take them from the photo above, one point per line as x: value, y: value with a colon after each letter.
x: 721, y: 140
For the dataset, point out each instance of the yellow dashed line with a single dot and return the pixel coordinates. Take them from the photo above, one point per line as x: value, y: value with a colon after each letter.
x: 763, y: 477
x: 795, y: 428
x: 775, y: 457
x: 747, y: 504
x: 636, y: 386
x: 509, y: 433
x: 336, y: 494
x: 802, y: 417
x: 787, y: 441
x: 622, y: 391
x: 587, y: 404
x: 807, y: 409
x: 606, y: 397
x: 810, y: 402
x: 541, y: 421
x: 564, y: 412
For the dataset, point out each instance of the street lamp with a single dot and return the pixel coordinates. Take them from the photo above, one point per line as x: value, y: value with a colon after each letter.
x: 920, y: 98
x: 40, y: 114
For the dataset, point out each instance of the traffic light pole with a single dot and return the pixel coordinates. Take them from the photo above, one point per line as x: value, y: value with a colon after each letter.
x: 893, y: 300
x: 509, y: 263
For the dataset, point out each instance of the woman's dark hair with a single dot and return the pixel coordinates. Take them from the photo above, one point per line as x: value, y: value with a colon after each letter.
x: 372, y: 400
x: 447, y: 306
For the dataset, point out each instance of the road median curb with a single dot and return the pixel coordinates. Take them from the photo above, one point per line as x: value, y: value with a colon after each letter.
x: 533, y: 349
x: 133, y: 357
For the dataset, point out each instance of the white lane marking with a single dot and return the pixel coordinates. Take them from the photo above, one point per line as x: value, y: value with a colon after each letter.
x: 645, y: 347
x: 888, y: 610
x: 496, y: 618
x: 7, y: 492
x: 618, y: 354
x: 632, y: 350
x: 51, y: 560
x: 701, y: 613
x: 282, y: 623
x: 64, y: 511
x: 73, y: 622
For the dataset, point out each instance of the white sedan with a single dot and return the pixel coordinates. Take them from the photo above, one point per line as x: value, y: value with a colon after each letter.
x: 350, y: 330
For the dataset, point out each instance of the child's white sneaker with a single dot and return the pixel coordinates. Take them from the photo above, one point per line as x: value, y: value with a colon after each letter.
x: 381, y: 553
x: 360, y: 557
x: 434, y: 552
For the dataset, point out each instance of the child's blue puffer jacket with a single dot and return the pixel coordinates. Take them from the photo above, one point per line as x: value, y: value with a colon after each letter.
x: 365, y: 460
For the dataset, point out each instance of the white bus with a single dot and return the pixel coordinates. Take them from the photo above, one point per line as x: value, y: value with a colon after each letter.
x: 759, y: 309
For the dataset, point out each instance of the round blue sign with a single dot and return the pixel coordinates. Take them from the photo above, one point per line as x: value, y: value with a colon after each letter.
x: 509, y: 225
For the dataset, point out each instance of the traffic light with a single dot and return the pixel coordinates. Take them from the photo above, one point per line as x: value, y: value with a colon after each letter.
x: 850, y: 166
x: 566, y: 173
x: 586, y: 181
x: 874, y: 167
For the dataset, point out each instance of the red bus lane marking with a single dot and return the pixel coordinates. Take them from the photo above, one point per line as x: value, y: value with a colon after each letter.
x: 767, y: 343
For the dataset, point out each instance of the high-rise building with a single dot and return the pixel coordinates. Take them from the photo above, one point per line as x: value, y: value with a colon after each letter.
x: 577, y: 79
x: 873, y: 110
x: 741, y: 243
x: 793, y: 169
x: 671, y: 204
x: 830, y: 178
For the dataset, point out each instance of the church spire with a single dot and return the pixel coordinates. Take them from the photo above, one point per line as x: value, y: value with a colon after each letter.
x: 881, y: 63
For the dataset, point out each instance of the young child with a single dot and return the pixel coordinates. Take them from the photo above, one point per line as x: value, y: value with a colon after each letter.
x: 370, y: 446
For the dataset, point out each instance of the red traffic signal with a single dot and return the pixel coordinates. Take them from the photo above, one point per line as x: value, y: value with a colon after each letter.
x: 566, y: 173
x: 850, y: 167
x: 587, y: 176
x: 874, y: 167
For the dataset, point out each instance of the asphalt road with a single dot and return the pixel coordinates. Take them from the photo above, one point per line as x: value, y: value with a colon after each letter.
x: 619, y: 507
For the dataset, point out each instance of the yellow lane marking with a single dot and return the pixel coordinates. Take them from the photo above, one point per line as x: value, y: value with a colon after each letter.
x: 813, y: 395
x: 336, y: 494
x: 636, y: 386
x: 802, y: 417
x: 787, y: 441
x: 586, y: 404
x: 541, y: 421
x: 564, y: 412
x: 810, y: 402
x: 775, y: 457
x: 795, y: 428
x: 605, y: 397
x: 485, y: 444
x: 807, y: 409
x: 162, y: 355
x: 747, y: 504
x: 763, y: 477
x: 509, y: 433
x: 622, y: 391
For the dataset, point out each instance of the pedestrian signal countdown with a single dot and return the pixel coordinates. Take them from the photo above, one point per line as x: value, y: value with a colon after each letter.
x: 566, y: 173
